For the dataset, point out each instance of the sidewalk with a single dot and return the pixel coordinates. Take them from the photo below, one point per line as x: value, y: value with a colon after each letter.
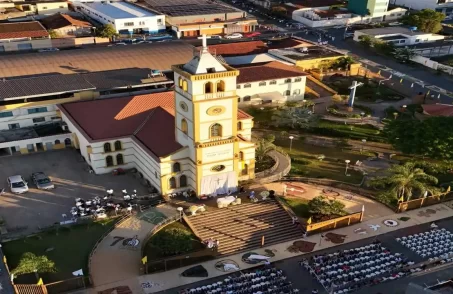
x: 172, y: 279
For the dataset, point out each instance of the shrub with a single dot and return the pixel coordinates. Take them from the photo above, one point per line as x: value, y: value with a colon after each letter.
x: 322, y: 206
x: 171, y: 241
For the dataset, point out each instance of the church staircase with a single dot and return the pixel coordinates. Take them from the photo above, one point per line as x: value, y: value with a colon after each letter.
x: 241, y: 227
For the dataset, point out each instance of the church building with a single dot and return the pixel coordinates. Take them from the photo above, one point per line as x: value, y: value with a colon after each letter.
x: 192, y: 138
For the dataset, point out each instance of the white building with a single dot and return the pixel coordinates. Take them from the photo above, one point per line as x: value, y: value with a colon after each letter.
x: 193, y: 138
x: 125, y: 17
x: 444, y: 6
x: 272, y: 82
x: 399, y: 36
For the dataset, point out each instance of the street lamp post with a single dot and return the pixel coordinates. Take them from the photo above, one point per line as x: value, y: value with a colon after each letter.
x: 362, y: 114
x: 291, y: 142
x: 363, y: 145
x: 180, y: 209
x: 347, y: 161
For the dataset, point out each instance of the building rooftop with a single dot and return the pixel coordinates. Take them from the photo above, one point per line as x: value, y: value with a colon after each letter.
x: 254, y: 58
x: 393, y: 37
x: 391, y: 31
x: 17, y: 30
x: 238, y: 48
x: 118, y: 10
x: 159, y: 56
x: 61, y: 20
x: 188, y: 7
x: 304, y: 53
x: 148, y: 119
x: 438, y: 109
x: 317, y: 3
x: 267, y: 71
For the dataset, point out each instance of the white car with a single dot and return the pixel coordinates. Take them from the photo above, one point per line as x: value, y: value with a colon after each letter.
x: 17, y: 184
x: 394, y: 24
x: 234, y: 36
x: 48, y: 50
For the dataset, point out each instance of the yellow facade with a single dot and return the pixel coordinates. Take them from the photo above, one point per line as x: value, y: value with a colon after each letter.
x: 314, y: 63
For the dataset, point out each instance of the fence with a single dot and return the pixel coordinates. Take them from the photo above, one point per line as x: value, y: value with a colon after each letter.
x: 423, y: 202
x: 335, y: 223
x: 30, y: 289
x: 156, y: 229
x: 67, y: 285
x: 182, y: 260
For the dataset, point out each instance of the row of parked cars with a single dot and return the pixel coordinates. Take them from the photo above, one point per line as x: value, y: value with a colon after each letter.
x: 18, y: 185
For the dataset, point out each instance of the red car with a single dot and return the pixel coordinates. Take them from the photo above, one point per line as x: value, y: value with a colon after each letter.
x: 252, y: 34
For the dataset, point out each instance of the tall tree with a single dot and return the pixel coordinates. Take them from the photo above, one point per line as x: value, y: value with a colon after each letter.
x: 262, y: 148
x: 107, y: 31
x: 366, y: 41
x: 31, y: 263
x: 404, y: 180
x: 432, y: 137
x: 426, y: 20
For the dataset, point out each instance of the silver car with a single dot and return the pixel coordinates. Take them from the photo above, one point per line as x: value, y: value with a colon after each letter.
x: 42, y: 181
x: 17, y: 184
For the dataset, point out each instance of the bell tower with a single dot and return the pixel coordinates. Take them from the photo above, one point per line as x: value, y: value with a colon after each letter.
x: 206, y: 107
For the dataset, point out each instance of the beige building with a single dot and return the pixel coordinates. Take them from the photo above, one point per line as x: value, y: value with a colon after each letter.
x: 12, y: 9
x: 66, y: 25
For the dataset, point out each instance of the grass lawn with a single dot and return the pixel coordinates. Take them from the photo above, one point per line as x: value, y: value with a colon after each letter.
x: 71, y: 249
x: 305, y: 163
x: 356, y: 132
x: 298, y: 206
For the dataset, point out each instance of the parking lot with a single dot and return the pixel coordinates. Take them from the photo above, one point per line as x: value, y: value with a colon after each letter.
x: 37, y: 208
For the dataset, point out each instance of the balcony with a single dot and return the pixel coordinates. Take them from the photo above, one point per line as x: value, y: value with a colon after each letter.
x: 217, y: 95
x: 217, y: 141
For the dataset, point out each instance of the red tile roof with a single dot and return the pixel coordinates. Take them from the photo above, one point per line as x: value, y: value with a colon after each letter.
x: 17, y: 30
x: 438, y: 109
x: 238, y: 48
x: 61, y: 20
x: 268, y: 71
x: 148, y: 119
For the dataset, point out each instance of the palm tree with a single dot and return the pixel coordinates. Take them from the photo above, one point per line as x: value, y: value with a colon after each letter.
x: 262, y: 148
x: 30, y: 263
x: 404, y: 179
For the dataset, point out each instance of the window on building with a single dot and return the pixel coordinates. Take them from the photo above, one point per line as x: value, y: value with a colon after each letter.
x: 239, y: 125
x: 296, y: 92
x: 2, y: 48
x: 128, y: 24
x: 117, y: 145
x: 39, y: 119
x: 119, y: 159
x: 238, y: 86
x: 417, y: 40
x: 241, y: 155
x: 160, y: 21
x: 172, y: 183
x: 180, y: 82
x: 261, y: 84
x: 57, y: 142
x: 287, y: 93
x: 142, y: 23
x: 109, y: 161
x: 247, y: 86
x: 288, y: 81
x: 176, y: 167
x: 37, y: 110
x: 247, y: 98
x: 155, y: 174
x: 245, y: 170
x: 272, y: 82
x: 61, y: 6
x: 184, y: 127
x: 67, y: 142
x: 107, y: 147
x: 239, y: 99
x: 220, y: 86
x: 216, y: 130
x: 185, y: 86
x: 6, y: 114
x: 297, y: 79
x: 44, y: 7
x: 208, y: 88
x: 183, y: 181
x: 13, y: 126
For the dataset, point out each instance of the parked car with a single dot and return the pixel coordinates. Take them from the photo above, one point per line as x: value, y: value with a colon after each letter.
x: 234, y: 36
x: 17, y: 184
x: 42, y: 181
x: 252, y: 34
x: 211, y: 37
x: 48, y: 50
x: 394, y: 24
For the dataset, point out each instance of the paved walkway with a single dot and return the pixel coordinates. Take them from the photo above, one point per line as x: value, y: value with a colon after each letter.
x: 283, y: 168
x: 170, y: 279
x: 113, y: 261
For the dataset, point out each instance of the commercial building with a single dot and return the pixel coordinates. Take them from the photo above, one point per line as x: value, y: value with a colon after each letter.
x: 192, y: 18
x: 125, y: 17
x: 37, y: 9
x: 193, y: 138
x: 368, y: 7
x: 399, y: 36
x: 22, y: 36
x: 67, y: 25
x: 444, y: 6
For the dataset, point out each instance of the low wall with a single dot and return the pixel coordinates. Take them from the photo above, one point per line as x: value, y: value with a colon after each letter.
x: 322, y: 85
x: 335, y: 223
x: 423, y: 202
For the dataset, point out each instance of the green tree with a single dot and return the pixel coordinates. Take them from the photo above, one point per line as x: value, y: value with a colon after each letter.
x: 386, y: 48
x: 321, y: 206
x: 432, y: 137
x: 171, y: 241
x: 279, y: 11
x: 405, y: 180
x: 404, y: 54
x: 343, y: 62
x: 269, y: 138
x: 107, y: 31
x: 31, y: 263
x: 53, y: 34
x: 262, y: 148
x: 366, y: 41
x: 426, y: 20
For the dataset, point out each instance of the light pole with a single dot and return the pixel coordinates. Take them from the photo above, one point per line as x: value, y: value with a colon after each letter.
x: 180, y: 209
x: 346, y: 168
x: 404, y: 108
x: 291, y: 142
x: 363, y: 145
x: 362, y: 114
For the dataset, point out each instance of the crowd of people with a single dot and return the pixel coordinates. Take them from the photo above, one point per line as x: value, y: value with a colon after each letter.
x: 348, y: 270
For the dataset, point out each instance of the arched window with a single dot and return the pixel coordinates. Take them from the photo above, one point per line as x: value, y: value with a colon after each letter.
x: 245, y: 170
x: 262, y: 84
x: 220, y: 86
x: 287, y: 93
x: 117, y: 145
x: 182, y: 181
x: 67, y: 142
x: 109, y: 161
x: 184, y: 127
x: 185, y: 86
x: 119, y: 159
x: 247, y: 99
x: 216, y: 130
x: 208, y: 88
x: 241, y: 155
x: 107, y: 147
x: 180, y: 82
x: 239, y: 125
x: 247, y: 86
x: 155, y: 174
x: 273, y: 83
x: 57, y: 141
x: 172, y: 183
x: 176, y: 167
x: 288, y: 81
